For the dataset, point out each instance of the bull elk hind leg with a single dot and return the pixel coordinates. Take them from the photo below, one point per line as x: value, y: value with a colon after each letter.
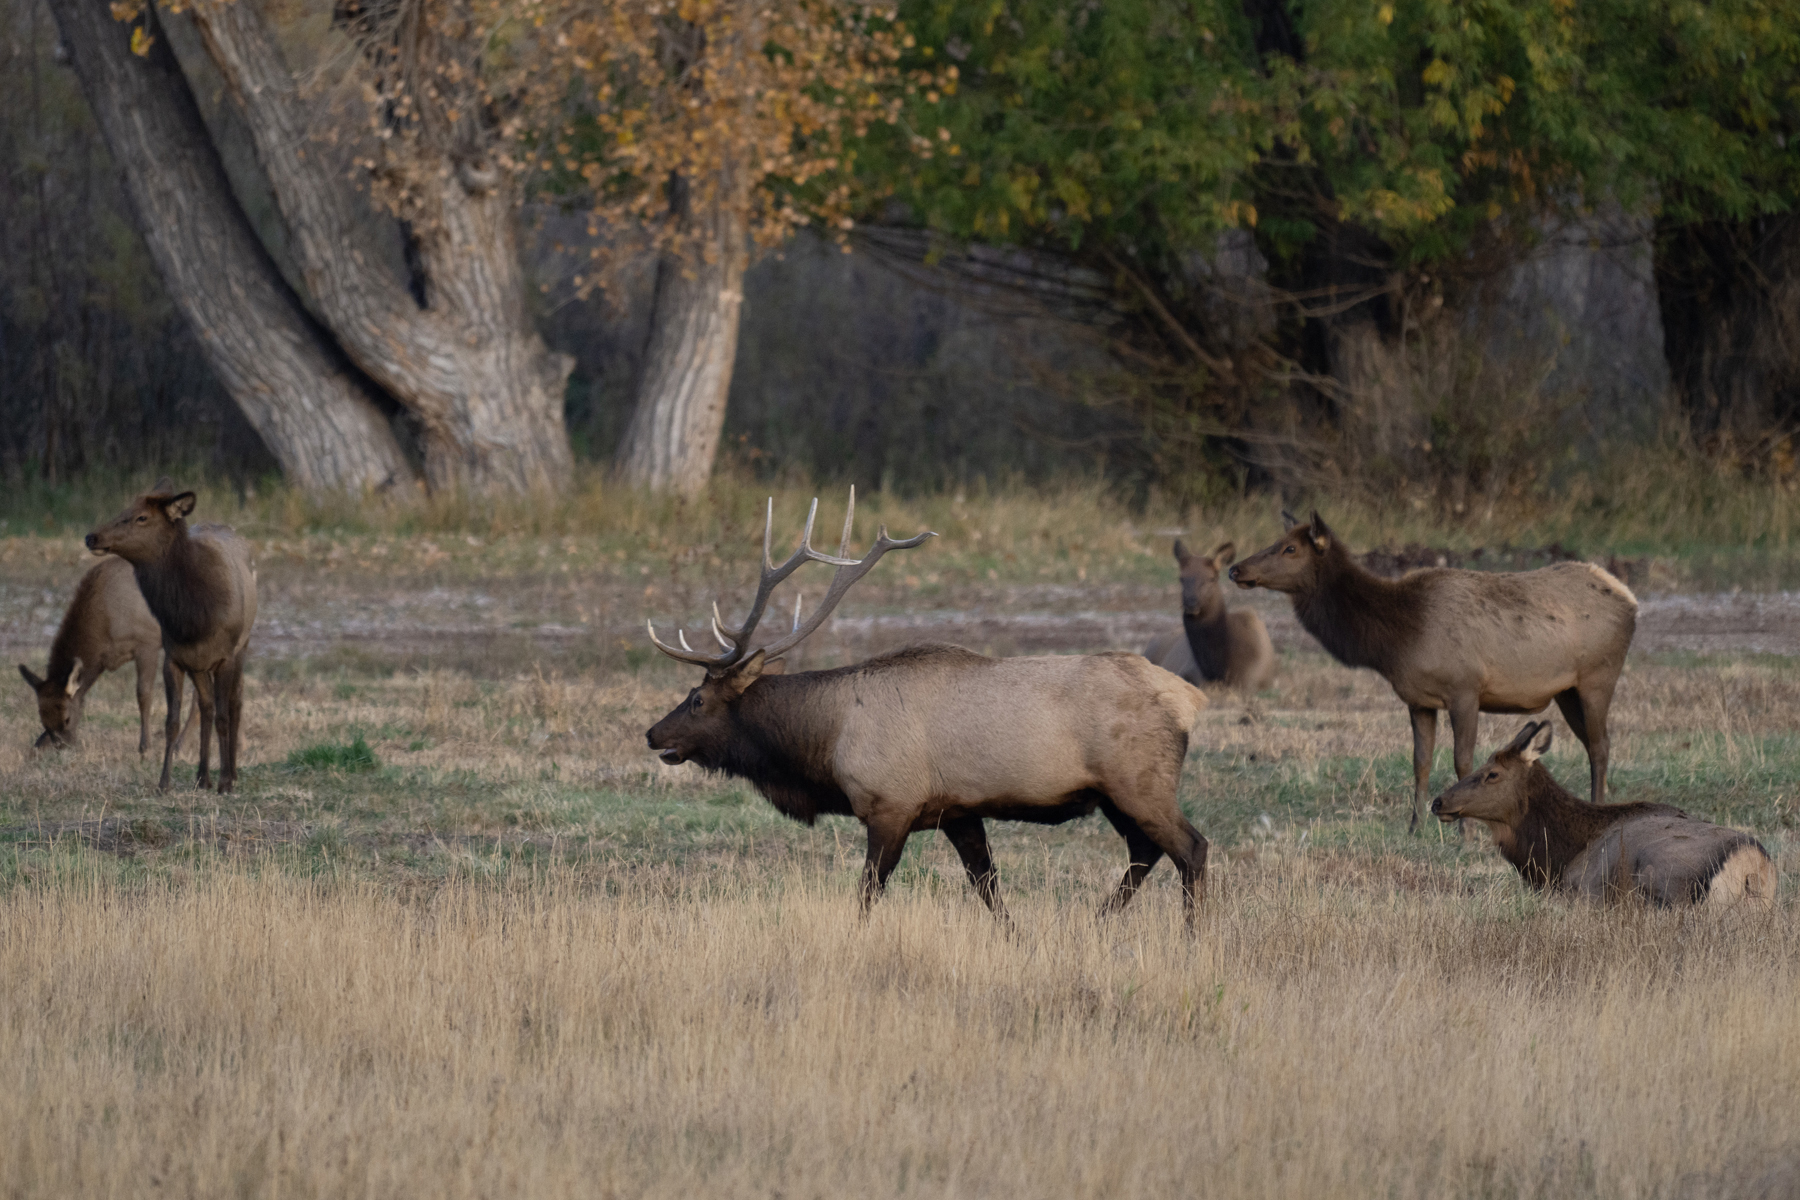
x: 1147, y: 810
x: 969, y: 836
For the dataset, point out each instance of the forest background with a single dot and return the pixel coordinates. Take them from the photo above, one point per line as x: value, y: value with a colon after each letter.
x: 1470, y: 257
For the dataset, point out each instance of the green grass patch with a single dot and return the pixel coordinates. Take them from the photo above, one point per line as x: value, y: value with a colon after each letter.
x: 348, y: 757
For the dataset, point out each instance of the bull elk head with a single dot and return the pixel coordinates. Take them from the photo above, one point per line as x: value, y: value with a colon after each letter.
x: 734, y: 669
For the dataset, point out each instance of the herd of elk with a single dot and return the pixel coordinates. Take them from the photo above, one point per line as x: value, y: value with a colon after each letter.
x: 1467, y: 641
x: 200, y: 586
x: 1604, y: 852
x: 1214, y: 644
x: 937, y: 737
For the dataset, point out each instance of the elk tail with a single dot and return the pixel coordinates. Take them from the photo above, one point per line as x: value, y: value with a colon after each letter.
x: 1746, y: 875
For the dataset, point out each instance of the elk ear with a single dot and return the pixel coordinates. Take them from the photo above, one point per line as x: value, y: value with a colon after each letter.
x: 1320, y: 535
x: 1540, y: 742
x: 1181, y: 552
x: 179, y: 506
x: 1223, y: 555
x: 1288, y: 519
x: 74, y: 684
x: 775, y: 666
x: 163, y: 487
x: 740, y: 677
x: 33, y: 680
x: 1521, y: 742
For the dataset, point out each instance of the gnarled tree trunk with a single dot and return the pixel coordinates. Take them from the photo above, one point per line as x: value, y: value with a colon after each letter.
x: 674, y: 432
x: 460, y: 352
x: 314, y: 411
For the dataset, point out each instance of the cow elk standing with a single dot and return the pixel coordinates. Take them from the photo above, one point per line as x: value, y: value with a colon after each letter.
x: 106, y: 626
x: 937, y: 737
x: 1467, y: 641
x: 1214, y: 644
x: 201, y: 587
x: 1604, y: 851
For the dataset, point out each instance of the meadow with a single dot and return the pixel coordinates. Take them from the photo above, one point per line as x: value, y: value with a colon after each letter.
x: 461, y: 934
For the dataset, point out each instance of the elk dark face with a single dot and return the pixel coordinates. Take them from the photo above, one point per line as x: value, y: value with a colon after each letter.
x: 1496, y: 790
x: 699, y: 728
x: 1201, y: 595
x: 58, y: 708
x: 144, y: 531
x: 1290, y: 565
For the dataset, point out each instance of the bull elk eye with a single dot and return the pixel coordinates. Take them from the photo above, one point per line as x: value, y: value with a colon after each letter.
x: 1491, y: 777
x: 1289, y: 548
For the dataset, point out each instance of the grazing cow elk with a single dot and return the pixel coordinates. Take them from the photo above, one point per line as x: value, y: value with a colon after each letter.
x: 201, y: 587
x: 1468, y: 641
x: 1213, y: 644
x: 1604, y: 851
x: 937, y: 737
x: 106, y: 626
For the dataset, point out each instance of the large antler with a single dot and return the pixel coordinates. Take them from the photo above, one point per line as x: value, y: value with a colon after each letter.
x: 737, y: 641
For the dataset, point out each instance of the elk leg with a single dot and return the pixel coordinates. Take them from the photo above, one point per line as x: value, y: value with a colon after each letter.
x: 203, y: 688
x: 969, y: 836
x: 887, y: 840
x: 1144, y: 852
x: 1596, y: 699
x: 1424, y: 723
x: 172, y: 686
x: 230, y: 696
x: 146, y: 683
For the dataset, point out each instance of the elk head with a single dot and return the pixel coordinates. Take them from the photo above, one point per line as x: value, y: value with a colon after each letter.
x: 58, y: 707
x: 147, y: 527
x: 1201, y: 595
x: 1290, y: 565
x: 1496, y: 791
x: 698, y: 728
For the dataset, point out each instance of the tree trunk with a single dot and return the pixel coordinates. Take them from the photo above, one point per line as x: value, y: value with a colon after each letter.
x: 314, y: 411
x: 674, y: 432
x: 463, y: 357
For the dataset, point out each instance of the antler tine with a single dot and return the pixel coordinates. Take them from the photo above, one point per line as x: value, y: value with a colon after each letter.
x: 849, y: 516
x: 848, y: 572
x: 773, y: 575
x: 797, y: 598
x: 689, y: 655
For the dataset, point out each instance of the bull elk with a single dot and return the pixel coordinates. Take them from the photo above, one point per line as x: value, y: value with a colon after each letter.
x: 201, y: 587
x: 106, y: 626
x: 1214, y: 644
x: 1604, y: 851
x: 1467, y: 641
x: 938, y: 737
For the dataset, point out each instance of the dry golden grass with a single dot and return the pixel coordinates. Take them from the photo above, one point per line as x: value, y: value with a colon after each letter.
x: 741, y: 1034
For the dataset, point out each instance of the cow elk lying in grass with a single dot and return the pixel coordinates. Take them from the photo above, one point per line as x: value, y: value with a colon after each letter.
x: 1604, y: 851
x: 937, y: 737
x: 201, y: 587
x: 1467, y: 641
x: 1213, y: 644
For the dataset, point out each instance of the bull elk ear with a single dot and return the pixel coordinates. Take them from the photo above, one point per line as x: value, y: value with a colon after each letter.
x: 179, y: 506
x: 1223, y: 555
x: 33, y: 680
x: 737, y: 679
x: 775, y: 666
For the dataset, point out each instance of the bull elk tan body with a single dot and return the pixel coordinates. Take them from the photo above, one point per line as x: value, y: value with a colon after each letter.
x: 1604, y: 852
x: 1467, y: 641
x: 200, y: 585
x: 938, y: 737
x: 106, y: 626
x: 1214, y: 644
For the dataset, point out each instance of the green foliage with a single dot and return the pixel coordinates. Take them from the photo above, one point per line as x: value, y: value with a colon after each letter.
x: 335, y: 756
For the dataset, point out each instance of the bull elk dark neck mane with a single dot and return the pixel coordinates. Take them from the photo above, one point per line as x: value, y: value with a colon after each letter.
x: 1361, y: 618
x: 1557, y: 826
x: 186, y: 612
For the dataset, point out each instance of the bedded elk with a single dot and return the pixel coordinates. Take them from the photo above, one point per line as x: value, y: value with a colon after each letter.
x: 1604, y: 851
x: 201, y: 587
x: 938, y: 737
x: 1467, y: 641
x: 1214, y: 643
x: 106, y: 626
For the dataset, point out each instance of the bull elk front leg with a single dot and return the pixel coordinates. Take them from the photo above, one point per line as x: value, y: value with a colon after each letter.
x: 887, y: 841
x: 969, y: 836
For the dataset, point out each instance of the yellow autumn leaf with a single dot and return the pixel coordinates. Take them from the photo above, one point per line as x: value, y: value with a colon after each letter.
x: 141, y: 41
x: 1385, y: 14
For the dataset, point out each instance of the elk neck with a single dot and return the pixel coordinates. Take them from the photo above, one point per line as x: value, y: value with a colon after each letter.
x: 1554, y: 826
x: 75, y: 633
x: 183, y: 590
x: 781, y: 737
x: 1361, y: 618
x: 1207, y: 636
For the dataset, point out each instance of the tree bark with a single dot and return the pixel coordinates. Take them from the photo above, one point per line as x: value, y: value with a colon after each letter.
x: 674, y: 433
x: 314, y: 411
x: 464, y: 359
